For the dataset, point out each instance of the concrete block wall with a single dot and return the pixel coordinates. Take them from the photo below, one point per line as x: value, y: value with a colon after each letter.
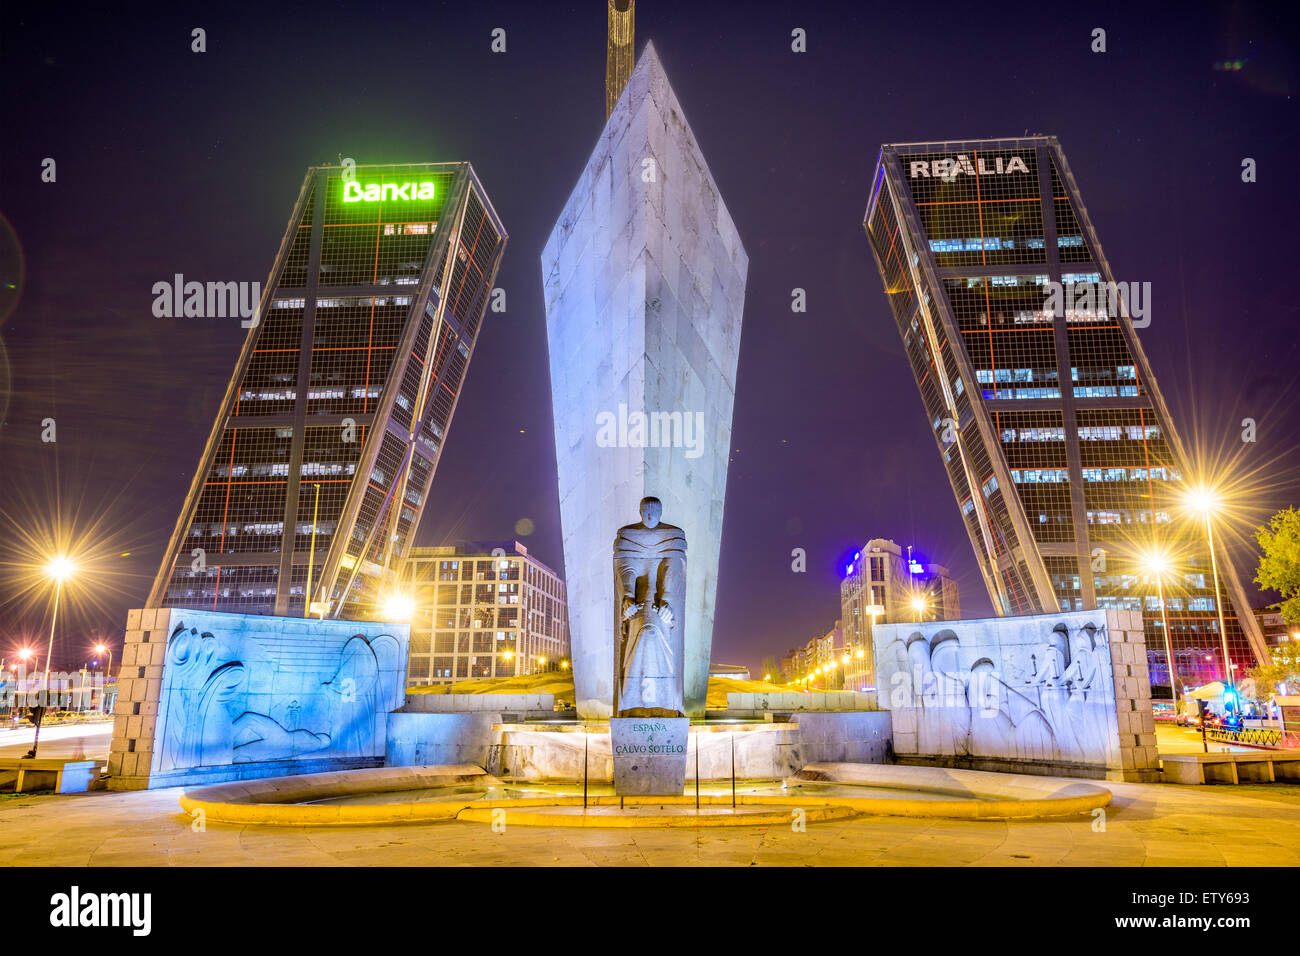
x: 796, y: 701
x: 531, y: 704
x: 139, y: 685
x: 1139, y: 758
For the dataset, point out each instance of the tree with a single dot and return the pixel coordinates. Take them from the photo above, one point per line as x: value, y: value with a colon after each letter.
x: 1285, y: 669
x: 1279, y: 568
x: 771, y: 669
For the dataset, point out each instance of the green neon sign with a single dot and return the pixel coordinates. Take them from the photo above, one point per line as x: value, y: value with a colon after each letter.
x: 375, y: 192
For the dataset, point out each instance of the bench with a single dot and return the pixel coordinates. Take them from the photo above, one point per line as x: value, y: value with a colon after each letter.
x: 1258, y: 767
x: 62, y: 775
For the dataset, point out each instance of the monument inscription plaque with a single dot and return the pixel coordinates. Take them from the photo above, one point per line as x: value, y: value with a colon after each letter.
x: 649, y: 755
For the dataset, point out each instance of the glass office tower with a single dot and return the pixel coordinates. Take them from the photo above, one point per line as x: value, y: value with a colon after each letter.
x: 1059, y: 447
x: 320, y: 460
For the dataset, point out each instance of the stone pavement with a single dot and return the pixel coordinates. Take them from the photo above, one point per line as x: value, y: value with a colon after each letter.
x: 1147, y: 824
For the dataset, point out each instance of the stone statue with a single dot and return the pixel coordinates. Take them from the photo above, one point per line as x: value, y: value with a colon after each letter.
x: 649, y: 611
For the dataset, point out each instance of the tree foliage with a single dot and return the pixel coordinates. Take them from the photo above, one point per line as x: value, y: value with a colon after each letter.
x: 1285, y: 669
x: 1279, y: 568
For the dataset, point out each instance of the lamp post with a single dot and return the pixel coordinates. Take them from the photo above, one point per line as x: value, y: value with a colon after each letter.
x: 1205, y: 502
x: 1157, y: 564
x: 101, y: 649
x: 24, y: 655
x: 311, y: 555
x: 59, y: 568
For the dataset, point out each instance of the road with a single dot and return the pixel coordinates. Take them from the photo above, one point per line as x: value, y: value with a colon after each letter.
x: 1172, y: 739
x: 87, y: 740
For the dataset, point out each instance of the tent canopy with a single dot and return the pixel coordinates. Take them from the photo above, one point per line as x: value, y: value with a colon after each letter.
x: 1208, y: 692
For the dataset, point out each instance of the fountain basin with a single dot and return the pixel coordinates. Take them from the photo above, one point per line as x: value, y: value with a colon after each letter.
x: 826, y: 791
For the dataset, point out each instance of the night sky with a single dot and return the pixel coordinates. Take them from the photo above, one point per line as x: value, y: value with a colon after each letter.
x: 170, y: 161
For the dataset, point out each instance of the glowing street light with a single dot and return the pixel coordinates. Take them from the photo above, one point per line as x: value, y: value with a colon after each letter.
x: 1157, y: 564
x: 918, y: 605
x: 1204, y: 501
x: 59, y: 569
x: 101, y: 649
x: 399, y: 607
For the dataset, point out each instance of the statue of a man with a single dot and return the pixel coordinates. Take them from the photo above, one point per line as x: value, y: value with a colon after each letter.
x: 649, y: 598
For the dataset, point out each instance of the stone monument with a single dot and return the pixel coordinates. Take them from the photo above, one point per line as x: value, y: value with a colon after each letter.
x: 1066, y: 693
x: 649, y: 729
x: 644, y: 282
x: 211, y: 696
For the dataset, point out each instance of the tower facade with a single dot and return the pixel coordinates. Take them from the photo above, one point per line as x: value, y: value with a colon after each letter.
x: 880, y: 583
x: 1060, y: 449
x: 644, y: 283
x: 319, y: 463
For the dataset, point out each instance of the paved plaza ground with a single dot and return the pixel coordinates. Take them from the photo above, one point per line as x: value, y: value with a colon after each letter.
x: 1146, y: 825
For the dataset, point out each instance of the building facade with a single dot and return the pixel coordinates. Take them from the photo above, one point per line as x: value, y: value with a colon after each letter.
x: 1275, y: 628
x: 319, y: 463
x: 1058, y: 445
x: 881, y: 583
x: 818, y: 665
x: 483, y: 612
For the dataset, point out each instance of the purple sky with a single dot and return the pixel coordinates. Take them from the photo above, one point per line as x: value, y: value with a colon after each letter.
x: 170, y: 161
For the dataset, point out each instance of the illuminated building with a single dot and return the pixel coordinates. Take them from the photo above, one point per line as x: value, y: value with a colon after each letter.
x: 322, y: 453
x: 881, y: 581
x: 818, y: 663
x: 1057, y: 442
x: 483, y: 612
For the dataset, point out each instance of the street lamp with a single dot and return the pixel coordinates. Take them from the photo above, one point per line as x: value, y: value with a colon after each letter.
x: 103, y: 697
x: 58, y: 569
x: 918, y: 605
x: 1205, y: 502
x: 101, y: 649
x: 399, y: 607
x: 1157, y: 564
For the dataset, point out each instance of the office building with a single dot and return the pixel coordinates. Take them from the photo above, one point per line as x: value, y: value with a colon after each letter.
x: 1060, y: 449
x: 483, y: 612
x: 886, y: 584
x: 319, y: 463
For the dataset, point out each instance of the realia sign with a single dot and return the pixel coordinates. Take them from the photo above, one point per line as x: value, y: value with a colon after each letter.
x: 949, y: 169
x: 376, y: 192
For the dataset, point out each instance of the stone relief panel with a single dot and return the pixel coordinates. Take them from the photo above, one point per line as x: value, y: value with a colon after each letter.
x: 1037, y: 688
x: 242, y: 689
